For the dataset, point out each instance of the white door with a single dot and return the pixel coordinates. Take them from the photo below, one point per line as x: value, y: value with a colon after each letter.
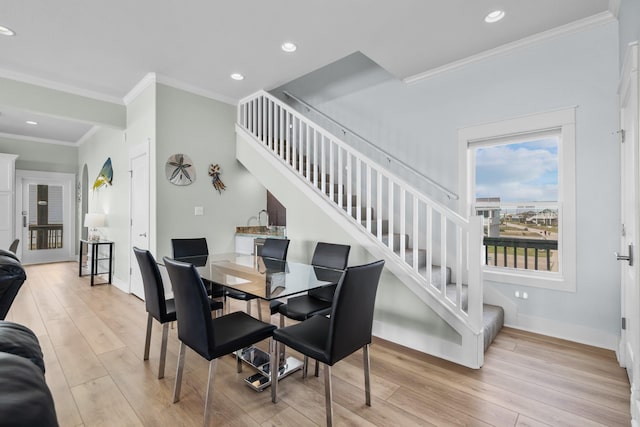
x: 629, y: 351
x: 139, y: 192
x: 45, y: 217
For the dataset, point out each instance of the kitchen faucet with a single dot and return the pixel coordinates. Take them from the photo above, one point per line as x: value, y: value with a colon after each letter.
x: 260, y: 217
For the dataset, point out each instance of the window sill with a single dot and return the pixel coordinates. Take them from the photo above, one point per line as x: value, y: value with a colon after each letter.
x: 535, y: 279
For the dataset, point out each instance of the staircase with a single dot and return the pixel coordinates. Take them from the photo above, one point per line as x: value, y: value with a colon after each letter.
x: 434, y: 251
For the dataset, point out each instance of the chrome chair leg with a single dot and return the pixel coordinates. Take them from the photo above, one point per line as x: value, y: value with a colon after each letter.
x: 163, y: 350
x: 367, y: 382
x: 281, y: 345
x: 249, y: 307
x: 208, y: 400
x: 147, y: 341
x: 305, y: 366
x: 328, y: 395
x: 274, y: 369
x: 259, y: 308
x: 179, y: 370
x: 239, y: 361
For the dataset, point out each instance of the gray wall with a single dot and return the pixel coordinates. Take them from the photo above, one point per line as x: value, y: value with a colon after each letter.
x: 418, y: 123
x: 629, y: 17
x: 39, y: 156
x: 203, y: 129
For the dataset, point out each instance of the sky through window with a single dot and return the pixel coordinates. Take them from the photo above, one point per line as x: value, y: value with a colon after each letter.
x: 518, y: 172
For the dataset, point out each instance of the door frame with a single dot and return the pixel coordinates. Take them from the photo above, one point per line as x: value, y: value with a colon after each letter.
x: 629, y: 348
x: 135, y: 152
x: 67, y: 180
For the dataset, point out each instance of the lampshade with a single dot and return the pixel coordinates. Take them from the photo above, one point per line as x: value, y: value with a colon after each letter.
x: 94, y: 220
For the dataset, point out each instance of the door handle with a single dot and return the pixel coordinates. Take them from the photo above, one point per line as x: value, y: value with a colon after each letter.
x: 628, y: 258
x: 24, y: 221
x: 142, y: 234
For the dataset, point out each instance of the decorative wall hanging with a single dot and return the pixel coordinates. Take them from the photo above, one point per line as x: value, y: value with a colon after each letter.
x: 180, y: 170
x: 214, y: 173
x: 105, y: 176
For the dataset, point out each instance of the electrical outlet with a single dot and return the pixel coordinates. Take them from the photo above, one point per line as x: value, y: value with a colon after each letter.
x: 198, y: 210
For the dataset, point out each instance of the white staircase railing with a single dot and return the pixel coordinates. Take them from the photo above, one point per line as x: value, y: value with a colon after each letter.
x: 418, y: 233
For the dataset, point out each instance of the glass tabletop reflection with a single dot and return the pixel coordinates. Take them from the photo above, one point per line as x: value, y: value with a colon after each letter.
x: 265, y: 278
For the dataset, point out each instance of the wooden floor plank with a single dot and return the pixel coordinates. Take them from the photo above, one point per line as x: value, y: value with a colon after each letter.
x: 101, y: 404
x: 93, y: 338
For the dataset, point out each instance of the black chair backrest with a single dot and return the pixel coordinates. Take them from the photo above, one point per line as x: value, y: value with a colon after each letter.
x: 352, y: 310
x: 275, y: 248
x: 183, y: 248
x: 14, y: 246
x: 193, y: 311
x: 154, y: 297
x: 331, y: 255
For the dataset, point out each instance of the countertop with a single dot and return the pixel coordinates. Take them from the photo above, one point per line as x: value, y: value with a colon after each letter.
x: 275, y: 231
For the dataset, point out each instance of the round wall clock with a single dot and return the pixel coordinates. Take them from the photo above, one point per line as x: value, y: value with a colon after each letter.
x: 180, y: 170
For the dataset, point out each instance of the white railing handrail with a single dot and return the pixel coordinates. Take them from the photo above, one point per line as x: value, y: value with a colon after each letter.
x: 450, y: 194
x: 453, y: 215
x: 347, y: 174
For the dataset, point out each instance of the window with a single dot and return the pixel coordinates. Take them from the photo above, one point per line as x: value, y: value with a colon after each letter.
x: 519, y: 175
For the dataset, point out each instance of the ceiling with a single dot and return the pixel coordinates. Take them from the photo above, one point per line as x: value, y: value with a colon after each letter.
x: 103, y: 49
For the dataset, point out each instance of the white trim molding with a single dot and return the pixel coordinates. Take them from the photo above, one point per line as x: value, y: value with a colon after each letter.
x: 50, y: 84
x: 564, y: 122
x: 573, y: 27
x: 36, y: 139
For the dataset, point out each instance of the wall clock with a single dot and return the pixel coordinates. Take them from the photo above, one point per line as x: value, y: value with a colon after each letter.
x: 180, y: 170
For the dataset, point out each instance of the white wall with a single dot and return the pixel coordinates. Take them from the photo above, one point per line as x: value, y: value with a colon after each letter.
x: 418, y: 123
x: 113, y: 200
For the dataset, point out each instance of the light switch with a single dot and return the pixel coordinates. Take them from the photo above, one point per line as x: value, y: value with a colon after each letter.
x: 198, y: 210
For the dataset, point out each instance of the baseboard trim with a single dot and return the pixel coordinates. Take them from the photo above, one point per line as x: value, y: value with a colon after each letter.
x: 566, y: 331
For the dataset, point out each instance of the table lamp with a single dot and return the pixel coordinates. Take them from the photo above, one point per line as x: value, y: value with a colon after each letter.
x: 93, y: 221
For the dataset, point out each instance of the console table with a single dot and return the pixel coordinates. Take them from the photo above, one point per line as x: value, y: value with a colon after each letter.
x: 96, y: 258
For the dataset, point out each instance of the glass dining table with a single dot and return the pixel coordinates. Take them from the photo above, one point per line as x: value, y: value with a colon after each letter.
x: 267, y: 279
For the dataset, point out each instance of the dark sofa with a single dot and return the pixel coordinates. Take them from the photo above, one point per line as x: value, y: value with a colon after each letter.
x: 12, y: 276
x: 25, y: 399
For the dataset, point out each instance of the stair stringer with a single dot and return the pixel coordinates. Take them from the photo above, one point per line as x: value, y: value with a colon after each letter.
x: 254, y: 156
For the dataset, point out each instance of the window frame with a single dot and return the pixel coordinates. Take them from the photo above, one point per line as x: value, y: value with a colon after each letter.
x: 560, y: 121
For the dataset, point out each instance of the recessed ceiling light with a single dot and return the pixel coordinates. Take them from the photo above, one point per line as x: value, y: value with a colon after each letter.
x: 6, y: 31
x: 31, y: 122
x: 289, y: 47
x: 237, y: 76
x: 494, y: 16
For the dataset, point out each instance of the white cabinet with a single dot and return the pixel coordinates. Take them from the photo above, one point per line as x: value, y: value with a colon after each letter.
x: 7, y: 198
x: 244, y: 244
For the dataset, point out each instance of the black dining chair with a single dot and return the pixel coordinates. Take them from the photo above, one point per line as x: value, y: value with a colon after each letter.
x: 316, y: 301
x: 14, y: 246
x: 272, y: 248
x: 331, y: 339
x: 210, y: 338
x: 159, y: 308
x: 194, y: 248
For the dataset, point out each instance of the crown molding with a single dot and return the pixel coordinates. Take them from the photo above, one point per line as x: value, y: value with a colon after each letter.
x: 168, y: 81
x: 49, y: 84
x: 36, y: 139
x: 84, y: 138
x: 135, y: 92
x: 614, y: 7
x: 154, y: 78
x: 573, y: 27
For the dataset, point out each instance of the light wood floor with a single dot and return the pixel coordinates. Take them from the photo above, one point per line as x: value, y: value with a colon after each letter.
x: 93, y: 338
